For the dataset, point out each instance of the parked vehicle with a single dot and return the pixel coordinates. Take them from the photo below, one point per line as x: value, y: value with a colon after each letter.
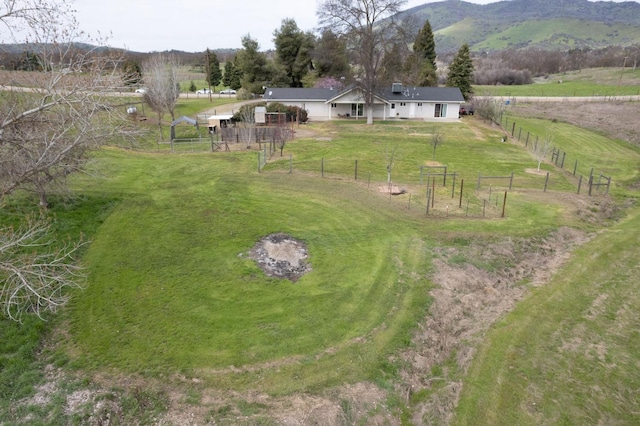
x: 204, y: 91
x: 466, y: 109
x: 228, y: 92
x: 142, y: 90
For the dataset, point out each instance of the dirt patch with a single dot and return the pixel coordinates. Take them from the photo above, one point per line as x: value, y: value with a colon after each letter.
x: 281, y: 256
x: 476, y: 285
x: 613, y: 119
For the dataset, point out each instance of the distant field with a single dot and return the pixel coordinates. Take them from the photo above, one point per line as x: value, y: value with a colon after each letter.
x: 590, y: 82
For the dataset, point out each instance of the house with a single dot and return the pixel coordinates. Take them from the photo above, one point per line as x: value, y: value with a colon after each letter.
x: 396, y: 102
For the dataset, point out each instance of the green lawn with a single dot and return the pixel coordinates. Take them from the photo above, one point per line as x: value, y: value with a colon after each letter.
x: 171, y: 289
x: 569, y: 353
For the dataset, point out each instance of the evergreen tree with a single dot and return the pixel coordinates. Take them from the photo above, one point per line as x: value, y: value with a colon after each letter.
x: 212, y: 68
x: 461, y: 72
x: 421, y: 66
x: 424, y: 45
x: 293, y: 51
x: 330, y: 56
x: 232, y: 75
x: 253, y: 64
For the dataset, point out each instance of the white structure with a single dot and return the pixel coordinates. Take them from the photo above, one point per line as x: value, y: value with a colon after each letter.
x: 398, y: 102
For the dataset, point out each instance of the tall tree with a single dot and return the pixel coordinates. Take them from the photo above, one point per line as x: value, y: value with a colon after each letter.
x: 392, y: 69
x: 253, y: 64
x: 163, y: 85
x: 293, y: 51
x: 212, y: 68
x: 425, y: 46
x: 232, y: 74
x: 461, y: 72
x: 422, y: 64
x: 330, y: 56
x: 369, y: 28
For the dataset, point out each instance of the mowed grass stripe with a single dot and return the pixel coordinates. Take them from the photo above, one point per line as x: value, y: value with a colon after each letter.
x: 171, y: 287
x: 569, y: 353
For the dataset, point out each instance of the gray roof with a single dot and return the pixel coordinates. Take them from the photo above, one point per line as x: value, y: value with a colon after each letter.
x: 444, y: 94
x: 298, y: 94
x: 406, y: 94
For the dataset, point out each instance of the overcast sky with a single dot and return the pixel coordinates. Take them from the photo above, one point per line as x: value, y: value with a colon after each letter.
x: 194, y: 25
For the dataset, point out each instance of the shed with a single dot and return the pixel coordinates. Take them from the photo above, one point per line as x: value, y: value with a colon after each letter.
x: 218, y: 121
x: 261, y: 115
x: 183, y: 119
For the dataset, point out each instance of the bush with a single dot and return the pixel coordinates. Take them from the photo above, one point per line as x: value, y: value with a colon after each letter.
x: 292, y: 112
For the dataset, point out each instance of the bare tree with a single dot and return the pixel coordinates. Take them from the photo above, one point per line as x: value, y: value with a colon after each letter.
x: 47, y: 127
x: 540, y: 150
x: 281, y: 135
x: 488, y: 108
x: 162, y: 83
x: 247, y: 126
x: 33, y: 275
x: 370, y: 30
x: 437, y: 139
x: 389, y: 154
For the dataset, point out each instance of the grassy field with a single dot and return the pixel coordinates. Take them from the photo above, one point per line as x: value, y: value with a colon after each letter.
x: 175, y: 306
x: 569, y: 353
x: 589, y: 82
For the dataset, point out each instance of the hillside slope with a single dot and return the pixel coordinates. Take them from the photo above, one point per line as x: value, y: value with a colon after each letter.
x: 561, y: 24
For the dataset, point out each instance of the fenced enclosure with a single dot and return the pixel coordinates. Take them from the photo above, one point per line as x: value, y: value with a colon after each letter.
x: 559, y: 159
x: 445, y: 194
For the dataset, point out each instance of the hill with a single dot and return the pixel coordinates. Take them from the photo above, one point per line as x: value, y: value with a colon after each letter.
x: 558, y: 25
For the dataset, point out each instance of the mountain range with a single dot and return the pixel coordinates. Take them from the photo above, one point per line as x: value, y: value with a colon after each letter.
x: 543, y: 24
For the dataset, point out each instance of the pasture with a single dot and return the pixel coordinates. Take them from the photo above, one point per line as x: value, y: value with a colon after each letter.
x: 177, y: 320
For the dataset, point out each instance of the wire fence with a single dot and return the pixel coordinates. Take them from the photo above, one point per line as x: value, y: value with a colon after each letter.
x: 430, y: 190
x: 587, y: 178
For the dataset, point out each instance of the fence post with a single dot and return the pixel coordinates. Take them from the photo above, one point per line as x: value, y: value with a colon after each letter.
x: 444, y: 182
x: 461, y: 188
x: 428, y: 198
x: 504, y: 203
x: 259, y: 163
x: 546, y: 182
x: 526, y: 143
x: 579, y: 184
x: 453, y: 187
x: 433, y: 192
x: 421, y: 171
x: 519, y: 134
x: 511, y: 182
x: 513, y: 129
x: 564, y: 155
x: 575, y: 168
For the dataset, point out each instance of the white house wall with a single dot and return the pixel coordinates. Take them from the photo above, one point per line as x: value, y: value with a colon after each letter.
x: 321, y: 110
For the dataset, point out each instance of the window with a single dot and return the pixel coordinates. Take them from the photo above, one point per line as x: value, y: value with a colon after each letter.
x: 357, y: 110
x: 419, y: 104
x: 403, y: 104
x: 441, y: 110
x: 334, y: 105
x: 393, y: 106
